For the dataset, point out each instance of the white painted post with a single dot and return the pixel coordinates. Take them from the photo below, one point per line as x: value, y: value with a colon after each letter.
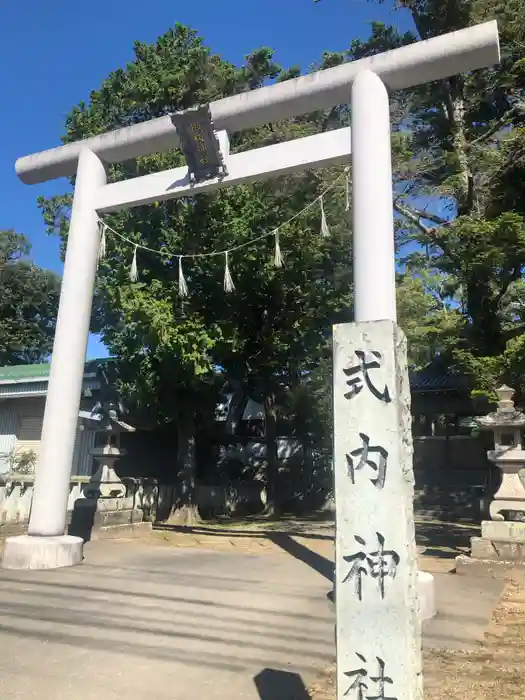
x: 378, y: 619
x: 372, y: 210
x: 49, y: 509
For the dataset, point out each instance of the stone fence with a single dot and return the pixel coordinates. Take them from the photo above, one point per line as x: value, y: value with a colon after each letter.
x: 453, y: 479
x: 147, y: 495
x: 16, y: 495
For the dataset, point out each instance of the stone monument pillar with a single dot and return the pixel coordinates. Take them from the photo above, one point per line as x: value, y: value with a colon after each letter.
x: 378, y: 616
x: 502, y: 542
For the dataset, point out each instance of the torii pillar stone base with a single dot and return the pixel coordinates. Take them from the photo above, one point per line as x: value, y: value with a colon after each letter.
x: 30, y: 552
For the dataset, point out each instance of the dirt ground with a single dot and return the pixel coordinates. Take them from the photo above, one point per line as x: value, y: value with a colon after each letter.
x: 493, y: 671
x: 310, y: 540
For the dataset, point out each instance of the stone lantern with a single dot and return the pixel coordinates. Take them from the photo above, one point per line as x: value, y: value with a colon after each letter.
x: 104, y: 503
x: 507, y: 424
x: 105, y: 483
x: 502, y: 541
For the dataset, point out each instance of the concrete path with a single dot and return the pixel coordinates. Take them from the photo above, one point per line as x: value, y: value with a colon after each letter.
x: 138, y: 621
x: 464, y: 606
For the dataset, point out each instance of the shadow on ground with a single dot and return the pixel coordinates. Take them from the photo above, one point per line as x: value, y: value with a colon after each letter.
x: 135, y: 621
x: 445, y: 539
x: 282, y: 539
x: 441, y: 539
x: 273, y: 684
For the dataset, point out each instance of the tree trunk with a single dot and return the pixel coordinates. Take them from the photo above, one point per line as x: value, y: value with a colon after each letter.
x: 272, y: 457
x: 455, y: 106
x: 184, y: 508
x: 486, y: 332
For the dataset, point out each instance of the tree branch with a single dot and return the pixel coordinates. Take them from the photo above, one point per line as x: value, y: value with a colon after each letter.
x: 499, y: 124
x: 513, y: 276
x: 422, y: 214
x: 413, y: 217
x: 514, y: 332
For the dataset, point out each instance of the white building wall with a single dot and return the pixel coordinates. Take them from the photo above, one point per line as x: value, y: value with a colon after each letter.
x: 21, y: 428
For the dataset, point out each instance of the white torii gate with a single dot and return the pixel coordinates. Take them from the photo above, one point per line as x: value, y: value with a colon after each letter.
x: 366, y: 81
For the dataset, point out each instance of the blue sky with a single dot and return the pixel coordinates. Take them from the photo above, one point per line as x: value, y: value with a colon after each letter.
x: 52, y: 54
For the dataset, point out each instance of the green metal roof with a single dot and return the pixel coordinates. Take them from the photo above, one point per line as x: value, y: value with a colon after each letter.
x: 27, y: 373
x: 17, y: 372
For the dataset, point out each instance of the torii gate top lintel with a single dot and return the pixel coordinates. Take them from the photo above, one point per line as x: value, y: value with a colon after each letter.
x: 422, y: 62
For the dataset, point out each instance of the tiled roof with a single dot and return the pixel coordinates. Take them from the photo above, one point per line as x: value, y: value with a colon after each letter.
x: 435, y: 378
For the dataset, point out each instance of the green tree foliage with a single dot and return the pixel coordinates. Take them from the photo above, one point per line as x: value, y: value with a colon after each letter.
x: 271, y: 331
x: 458, y: 146
x: 431, y: 323
x: 28, y: 303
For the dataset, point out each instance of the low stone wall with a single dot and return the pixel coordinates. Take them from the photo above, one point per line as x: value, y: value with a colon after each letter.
x: 453, y: 477
x: 155, y: 501
x: 453, y: 480
x: 16, y: 495
x: 238, y: 498
x: 450, y: 454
